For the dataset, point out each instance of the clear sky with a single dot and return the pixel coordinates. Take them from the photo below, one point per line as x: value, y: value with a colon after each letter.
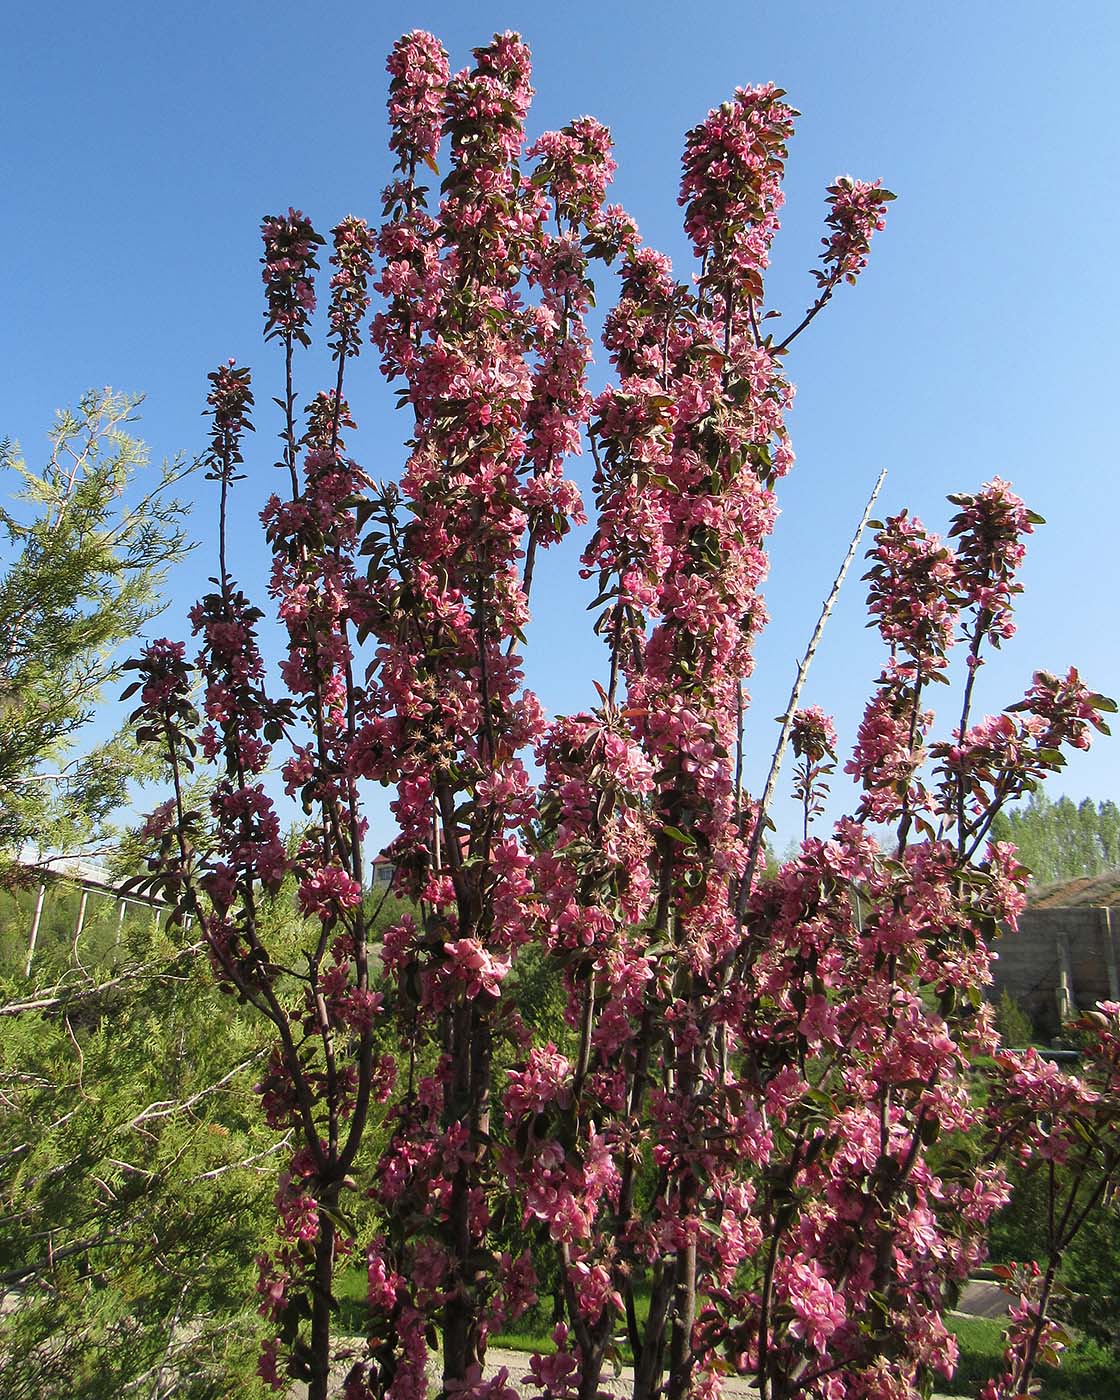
x: 142, y: 142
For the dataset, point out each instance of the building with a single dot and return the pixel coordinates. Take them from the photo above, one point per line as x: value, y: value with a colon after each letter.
x: 1065, y: 956
x: 381, y: 872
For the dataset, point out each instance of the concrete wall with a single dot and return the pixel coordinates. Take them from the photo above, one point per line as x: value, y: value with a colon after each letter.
x: 1060, y: 958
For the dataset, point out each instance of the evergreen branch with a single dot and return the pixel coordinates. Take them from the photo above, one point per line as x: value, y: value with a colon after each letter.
x: 60, y: 996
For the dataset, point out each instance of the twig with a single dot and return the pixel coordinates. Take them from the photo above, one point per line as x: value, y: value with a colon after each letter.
x: 817, y: 307
x: 158, y: 1390
x: 281, y: 1146
x: 164, y: 1108
x: 795, y: 693
x: 59, y: 997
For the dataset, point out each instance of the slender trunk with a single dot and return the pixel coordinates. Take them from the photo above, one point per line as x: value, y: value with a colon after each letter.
x: 684, y: 1270
x: 460, y: 1323
x: 1023, y: 1381
x: 684, y: 1297
x: 587, y: 1027
x: 764, y: 1377
x: 592, y: 1341
x: 591, y: 1371
x: 321, y: 1299
x: 482, y: 1052
x: 649, y: 1363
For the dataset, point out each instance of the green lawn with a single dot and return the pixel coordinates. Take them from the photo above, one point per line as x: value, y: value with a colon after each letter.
x: 1088, y: 1373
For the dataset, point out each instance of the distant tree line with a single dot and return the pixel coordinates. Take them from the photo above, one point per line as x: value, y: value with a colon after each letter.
x: 1061, y: 840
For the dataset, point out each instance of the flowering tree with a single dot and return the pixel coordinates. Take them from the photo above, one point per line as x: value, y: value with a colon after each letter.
x: 741, y: 1124
x: 1065, y: 1129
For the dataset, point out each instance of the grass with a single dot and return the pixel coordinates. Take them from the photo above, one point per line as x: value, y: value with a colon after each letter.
x: 1088, y: 1372
x: 536, y: 1340
x: 981, y: 1354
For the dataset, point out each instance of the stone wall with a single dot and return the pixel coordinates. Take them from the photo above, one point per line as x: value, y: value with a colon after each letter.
x: 1060, y: 961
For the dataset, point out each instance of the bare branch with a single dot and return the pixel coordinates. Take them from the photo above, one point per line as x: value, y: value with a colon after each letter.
x: 61, y: 996
x: 282, y: 1146
x: 795, y: 693
x: 164, y: 1108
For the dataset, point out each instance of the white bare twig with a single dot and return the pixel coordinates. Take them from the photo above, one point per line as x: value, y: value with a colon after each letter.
x: 798, y: 683
x: 59, y: 995
x: 164, y: 1108
x: 284, y: 1143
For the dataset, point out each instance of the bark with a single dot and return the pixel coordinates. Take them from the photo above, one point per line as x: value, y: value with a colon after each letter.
x: 321, y: 1299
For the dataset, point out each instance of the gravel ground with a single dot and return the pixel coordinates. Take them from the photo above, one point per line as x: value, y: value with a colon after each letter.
x: 982, y: 1298
x: 517, y: 1365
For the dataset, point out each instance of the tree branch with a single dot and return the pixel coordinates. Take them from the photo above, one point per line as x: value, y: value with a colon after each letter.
x: 795, y: 693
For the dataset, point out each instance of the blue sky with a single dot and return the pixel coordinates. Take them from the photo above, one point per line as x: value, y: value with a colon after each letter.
x: 142, y: 143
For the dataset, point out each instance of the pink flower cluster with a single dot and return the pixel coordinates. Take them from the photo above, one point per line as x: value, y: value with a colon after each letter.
x: 813, y: 738
x: 353, y: 259
x: 991, y: 525
x: 911, y: 592
x: 731, y: 182
x: 857, y: 210
x: 289, y: 259
x: 327, y: 892
x: 813, y: 734
x: 419, y: 72
x: 229, y: 402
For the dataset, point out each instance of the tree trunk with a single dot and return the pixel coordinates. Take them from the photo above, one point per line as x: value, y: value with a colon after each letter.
x: 684, y: 1312
x: 460, y: 1323
x: 321, y: 1300
x: 649, y: 1364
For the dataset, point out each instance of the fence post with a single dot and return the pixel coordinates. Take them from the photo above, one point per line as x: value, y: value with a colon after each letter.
x: 1065, y: 979
x: 33, y: 939
x: 79, y: 924
x: 1110, y: 955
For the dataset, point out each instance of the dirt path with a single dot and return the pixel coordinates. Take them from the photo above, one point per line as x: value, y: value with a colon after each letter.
x: 516, y: 1364
x: 982, y: 1298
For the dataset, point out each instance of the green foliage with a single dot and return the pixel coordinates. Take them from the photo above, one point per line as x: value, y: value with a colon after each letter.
x: 1019, y: 1230
x: 104, y: 931
x: 541, y: 999
x: 1090, y: 1269
x: 136, y: 1180
x: 1093, y: 1277
x: 385, y: 909
x: 1061, y: 841
x: 84, y: 551
x: 1014, y: 1025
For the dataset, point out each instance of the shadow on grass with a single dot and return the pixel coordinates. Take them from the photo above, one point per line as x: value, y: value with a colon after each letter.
x: 1089, y: 1371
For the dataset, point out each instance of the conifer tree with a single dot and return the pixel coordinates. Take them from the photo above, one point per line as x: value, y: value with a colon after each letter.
x: 86, y: 541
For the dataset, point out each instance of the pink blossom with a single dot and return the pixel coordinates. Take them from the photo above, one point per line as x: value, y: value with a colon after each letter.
x: 818, y: 1310
x: 856, y: 211
x: 289, y: 261
x: 327, y: 892
x: 479, y: 971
